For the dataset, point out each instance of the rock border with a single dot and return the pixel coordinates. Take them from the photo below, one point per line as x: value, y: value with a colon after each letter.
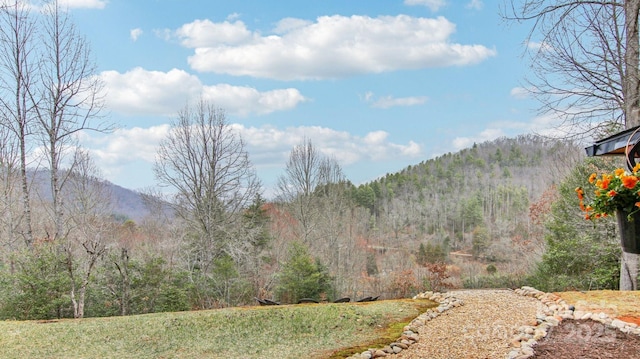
x: 554, y: 310
x: 410, y: 333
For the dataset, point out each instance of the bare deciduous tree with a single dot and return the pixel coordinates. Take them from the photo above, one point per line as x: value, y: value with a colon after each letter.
x: 316, y: 193
x: 17, y: 66
x: 68, y: 99
x: 205, y: 162
x: 307, y: 170
x: 88, y: 207
x: 586, y: 70
x: 9, y: 195
x: 49, y: 88
x: 585, y: 63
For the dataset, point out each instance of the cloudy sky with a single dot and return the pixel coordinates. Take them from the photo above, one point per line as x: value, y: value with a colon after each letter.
x: 379, y: 84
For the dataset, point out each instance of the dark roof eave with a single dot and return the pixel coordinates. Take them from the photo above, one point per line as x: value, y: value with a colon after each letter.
x: 614, y: 144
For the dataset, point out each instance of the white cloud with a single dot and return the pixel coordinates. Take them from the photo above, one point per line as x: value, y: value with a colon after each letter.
x: 519, y: 93
x: 545, y: 125
x: 246, y: 100
x: 123, y: 148
x: 289, y: 24
x: 475, y: 5
x: 233, y: 16
x: 538, y: 46
x: 135, y: 33
x: 390, y: 101
x: 201, y: 33
x: 331, y: 47
x: 268, y: 146
x: 87, y: 4
x: 127, y: 145
x: 375, y: 137
x: 144, y: 92
x: 433, y: 5
x: 486, y: 135
x: 141, y: 92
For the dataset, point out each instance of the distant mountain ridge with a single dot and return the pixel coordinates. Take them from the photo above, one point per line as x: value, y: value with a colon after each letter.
x: 127, y: 203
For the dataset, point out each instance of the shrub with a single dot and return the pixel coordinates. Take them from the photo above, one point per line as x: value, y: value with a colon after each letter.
x: 303, y: 277
x: 404, y: 284
x: 39, y: 286
x: 579, y: 255
x: 436, y: 279
x: 491, y: 269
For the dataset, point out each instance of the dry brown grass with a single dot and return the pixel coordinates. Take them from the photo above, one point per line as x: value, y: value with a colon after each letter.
x: 286, y: 331
x: 614, y: 303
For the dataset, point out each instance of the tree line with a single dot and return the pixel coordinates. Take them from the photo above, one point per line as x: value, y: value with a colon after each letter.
x: 497, y: 214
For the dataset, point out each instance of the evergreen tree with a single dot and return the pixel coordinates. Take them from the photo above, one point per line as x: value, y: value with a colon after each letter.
x: 303, y: 277
x: 579, y: 254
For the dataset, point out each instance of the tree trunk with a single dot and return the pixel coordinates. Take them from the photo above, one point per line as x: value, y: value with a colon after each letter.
x: 629, y: 261
x: 55, y: 188
x: 632, y: 72
x: 124, y: 285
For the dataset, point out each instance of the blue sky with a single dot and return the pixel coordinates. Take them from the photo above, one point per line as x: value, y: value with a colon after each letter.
x: 379, y: 84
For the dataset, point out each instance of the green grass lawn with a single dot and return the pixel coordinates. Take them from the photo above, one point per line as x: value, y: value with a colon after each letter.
x: 288, y: 331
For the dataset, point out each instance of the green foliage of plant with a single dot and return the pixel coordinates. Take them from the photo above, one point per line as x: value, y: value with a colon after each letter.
x: 480, y: 241
x: 38, y: 287
x: 430, y: 253
x: 471, y: 211
x: 226, y: 284
x: 303, y: 277
x: 579, y: 255
x: 151, y: 286
x: 256, y: 218
x: 372, y: 265
x: 617, y: 190
x: 491, y: 269
x: 365, y: 196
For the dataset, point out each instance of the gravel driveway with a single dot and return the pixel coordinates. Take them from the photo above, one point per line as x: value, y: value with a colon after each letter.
x: 482, y: 328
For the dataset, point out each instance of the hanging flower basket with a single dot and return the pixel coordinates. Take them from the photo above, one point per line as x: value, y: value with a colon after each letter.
x: 616, y: 193
x: 629, y: 227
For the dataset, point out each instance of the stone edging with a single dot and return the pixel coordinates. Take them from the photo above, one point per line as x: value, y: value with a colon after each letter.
x: 554, y: 310
x: 410, y: 333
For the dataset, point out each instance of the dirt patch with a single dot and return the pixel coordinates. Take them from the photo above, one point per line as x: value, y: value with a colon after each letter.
x: 587, y: 339
x: 630, y: 319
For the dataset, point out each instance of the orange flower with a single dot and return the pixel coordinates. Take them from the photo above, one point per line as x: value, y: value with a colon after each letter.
x: 604, y: 182
x: 629, y: 181
x: 637, y: 204
x: 619, y: 172
x: 593, y: 176
x: 636, y: 168
x: 612, y: 193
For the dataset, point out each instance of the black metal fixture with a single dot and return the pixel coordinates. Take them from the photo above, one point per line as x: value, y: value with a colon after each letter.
x: 625, y: 143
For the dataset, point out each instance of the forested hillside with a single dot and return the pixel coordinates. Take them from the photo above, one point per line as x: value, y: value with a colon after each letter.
x: 460, y: 219
x: 483, y: 201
